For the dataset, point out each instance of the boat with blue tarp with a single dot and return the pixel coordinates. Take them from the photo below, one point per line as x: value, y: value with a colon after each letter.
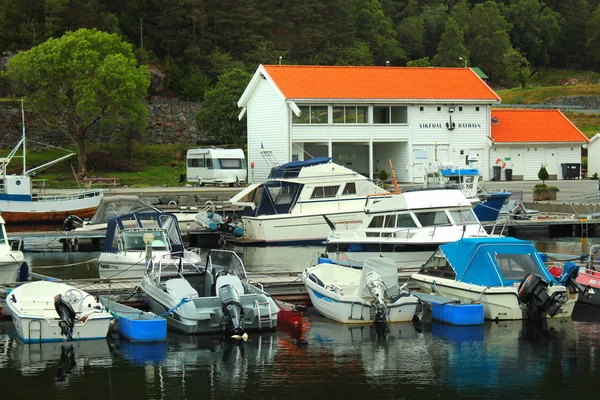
x: 505, y: 274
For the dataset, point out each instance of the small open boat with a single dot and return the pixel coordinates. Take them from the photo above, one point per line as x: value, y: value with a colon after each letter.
x: 47, y: 311
x: 134, y: 324
x: 357, y: 296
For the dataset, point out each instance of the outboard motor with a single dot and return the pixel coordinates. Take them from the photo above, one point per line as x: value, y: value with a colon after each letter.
x: 232, y: 308
x: 568, y: 278
x: 532, y: 291
x: 378, y: 290
x: 72, y: 222
x: 67, y: 316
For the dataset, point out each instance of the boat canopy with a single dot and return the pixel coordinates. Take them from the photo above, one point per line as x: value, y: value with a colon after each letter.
x: 494, y: 261
x: 154, y: 220
x: 388, y: 271
x: 460, y: 171
x: 292, y: 169
x: 278, y: 197
x: 114, y: 206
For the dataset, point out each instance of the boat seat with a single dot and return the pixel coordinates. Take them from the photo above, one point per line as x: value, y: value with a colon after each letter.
x: 181, y: 288
x: 232, y: 280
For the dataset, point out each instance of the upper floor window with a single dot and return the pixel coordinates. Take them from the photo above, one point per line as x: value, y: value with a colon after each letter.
x: 390, y: 114
x: 311, y: 115
x: 350, y: 114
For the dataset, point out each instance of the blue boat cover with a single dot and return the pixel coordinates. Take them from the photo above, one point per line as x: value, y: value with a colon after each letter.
x: 494, y: 261
x: 459, y: 171
x: 292, y: 169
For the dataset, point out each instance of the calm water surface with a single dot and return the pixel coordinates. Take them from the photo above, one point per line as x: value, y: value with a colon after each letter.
x: 322, y: 360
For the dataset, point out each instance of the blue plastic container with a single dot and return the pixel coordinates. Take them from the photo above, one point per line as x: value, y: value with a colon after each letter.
x: 458, y: 314
x: 143, y: 330
x: 143, y: 353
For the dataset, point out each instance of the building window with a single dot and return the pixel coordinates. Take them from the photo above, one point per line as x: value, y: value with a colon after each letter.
x: 459, y: 108
x: 311, y: 115
x: 421, y: 108
x: 350, y: 115
x: 390, y: 114
x: 476, y: 108
x: 439, y: 108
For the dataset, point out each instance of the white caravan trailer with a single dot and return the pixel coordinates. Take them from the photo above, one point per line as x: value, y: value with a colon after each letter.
x: 216, y: 166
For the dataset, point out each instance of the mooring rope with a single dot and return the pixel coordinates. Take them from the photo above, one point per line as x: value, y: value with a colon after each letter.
x: 184, y: 300
x: 66, y: 265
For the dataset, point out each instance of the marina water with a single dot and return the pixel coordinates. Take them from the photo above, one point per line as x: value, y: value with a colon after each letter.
x: 322, y: 360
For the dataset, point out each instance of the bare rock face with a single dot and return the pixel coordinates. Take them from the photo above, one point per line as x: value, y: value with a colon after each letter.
x: 158, y: 78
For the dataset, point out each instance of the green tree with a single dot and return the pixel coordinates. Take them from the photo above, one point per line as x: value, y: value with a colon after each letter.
x: 593, y: 39
x: 218, y: 118
x: 451, y: 47
x: 543, y: 174
x: 81, y: 79
x: 421, y: 62
x: 517, y: 67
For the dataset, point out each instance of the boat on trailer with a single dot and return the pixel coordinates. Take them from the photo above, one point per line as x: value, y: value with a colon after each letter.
x: 288, y: 207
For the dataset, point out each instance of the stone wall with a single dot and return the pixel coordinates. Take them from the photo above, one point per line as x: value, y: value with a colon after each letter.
x: 169, y: 122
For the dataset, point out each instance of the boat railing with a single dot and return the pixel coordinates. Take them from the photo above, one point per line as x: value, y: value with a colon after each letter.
x: 68, y: 196
x: 399, y: 233
x: 500, y: 224
x: 590, y: 202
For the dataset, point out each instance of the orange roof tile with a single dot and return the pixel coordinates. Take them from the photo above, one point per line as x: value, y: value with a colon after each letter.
x: 331, y: 82
x: 537, y: 126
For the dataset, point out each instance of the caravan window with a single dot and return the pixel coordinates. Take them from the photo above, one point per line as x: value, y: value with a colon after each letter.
x: 209, y: 163
x: 231, y: 163
x: 196, y: 162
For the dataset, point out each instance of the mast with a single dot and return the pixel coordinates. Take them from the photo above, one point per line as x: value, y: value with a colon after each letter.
x: 23, y: 140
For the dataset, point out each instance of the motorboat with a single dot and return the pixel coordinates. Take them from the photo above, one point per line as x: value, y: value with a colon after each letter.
x: 486, y: 204
x: 358, y: 296
x: 46, y: 311
x: 515, y: 210
x: 216, y: 298
x: 13, y: 267
x: 288, y: 207
x: 133, y: 239
x: 408, y: 227
x: 20, y: 205
x: 587, y: 275
x: 505, y: 274
x: 115, y: 206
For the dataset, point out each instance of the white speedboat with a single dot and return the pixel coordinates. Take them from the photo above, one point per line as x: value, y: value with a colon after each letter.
x: 12, y: 263
x: 358, y: 296
x: 408, y: 227
x: 216, y: 298
x: 132, y: 239
x: 288, y: 208
x: 506, y: 275
x: 47, y: 311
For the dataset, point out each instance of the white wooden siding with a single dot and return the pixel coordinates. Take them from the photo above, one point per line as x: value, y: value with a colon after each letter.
x: 594, y: 156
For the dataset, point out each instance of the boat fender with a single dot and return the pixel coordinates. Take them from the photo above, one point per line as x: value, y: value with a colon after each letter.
x: 315, y: 279
x: 23, y: 274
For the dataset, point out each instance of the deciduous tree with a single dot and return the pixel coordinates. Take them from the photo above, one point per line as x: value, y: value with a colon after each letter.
x: 77, y: 81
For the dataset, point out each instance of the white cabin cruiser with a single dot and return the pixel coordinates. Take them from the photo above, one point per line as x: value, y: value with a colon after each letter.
x: 12, y: 263
x: 408, y: 227
x: 46, y: 311
x: 505, y: 274
x: 359, y: 296
x: 288, y: 208
x: 132, y: 239
x: 215, y: 298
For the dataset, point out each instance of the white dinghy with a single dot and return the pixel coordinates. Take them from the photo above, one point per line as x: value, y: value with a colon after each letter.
x: 358, y: 296
x: 47, y: 311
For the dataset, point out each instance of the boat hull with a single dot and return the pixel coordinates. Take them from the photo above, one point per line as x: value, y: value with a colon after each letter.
x: 288, y: 229
x: 10, y: 265
x: 19, y: 212
x: 499, y: 303
x: 489, y: 209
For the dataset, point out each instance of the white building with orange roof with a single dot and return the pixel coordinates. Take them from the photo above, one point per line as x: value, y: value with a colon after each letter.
x: 364, y: 116
x: 524, y: 140
x: 594, y: 156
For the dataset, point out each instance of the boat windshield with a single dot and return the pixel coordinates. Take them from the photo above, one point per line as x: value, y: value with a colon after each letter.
x: 516, y: 266
x: 438, y: 265
x: 463, y: 216
x: 3, y: 240
x: 134, y: 240
x: 227, y: 260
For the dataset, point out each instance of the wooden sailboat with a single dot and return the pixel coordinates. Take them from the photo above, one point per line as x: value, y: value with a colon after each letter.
x: 18, y: 204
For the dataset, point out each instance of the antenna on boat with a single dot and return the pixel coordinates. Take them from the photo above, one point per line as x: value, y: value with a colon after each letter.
x: 23, y: 122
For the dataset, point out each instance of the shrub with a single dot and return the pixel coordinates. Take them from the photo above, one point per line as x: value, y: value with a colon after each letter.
x: 543, y: 174
x: 383, y: 175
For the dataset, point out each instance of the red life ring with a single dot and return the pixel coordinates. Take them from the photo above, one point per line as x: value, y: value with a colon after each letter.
x: 504, y: 165
x: 498, y: 161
